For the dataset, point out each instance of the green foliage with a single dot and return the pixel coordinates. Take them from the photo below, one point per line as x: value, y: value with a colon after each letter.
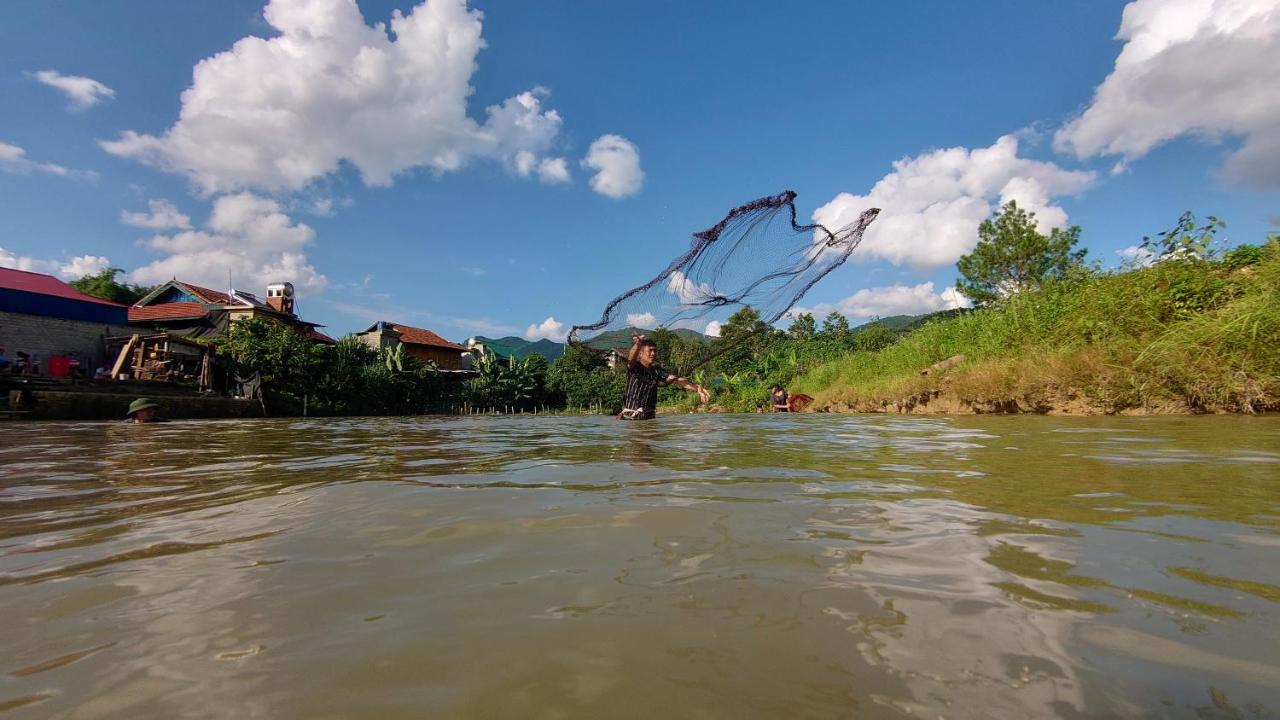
x: 394, y: 357
x: 873, y: 337
x: 286, y: 360
x: 835, y: 329
x: 103, y: 285
x: 581, y: 379
x: 514, y: 384
x: 1013, y: 257
x: 803, y: 328
x: 346, y: 378
x: 669, y: 345
x: 744, y: 333
x: 1245, y: 255
x: 1185, y: 241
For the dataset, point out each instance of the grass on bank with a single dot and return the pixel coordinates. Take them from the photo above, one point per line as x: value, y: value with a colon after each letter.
x: 1189, y: 335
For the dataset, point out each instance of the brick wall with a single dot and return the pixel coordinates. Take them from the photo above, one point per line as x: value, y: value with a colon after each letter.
x: 45, y: 336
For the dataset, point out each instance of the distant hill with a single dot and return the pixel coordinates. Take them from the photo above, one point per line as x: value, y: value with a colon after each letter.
x: 519, y: 348
x: 893, y: 322
x: 907, y: 323
x: 621, y: 339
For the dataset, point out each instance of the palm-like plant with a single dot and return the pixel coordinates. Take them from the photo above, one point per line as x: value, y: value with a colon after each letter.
x: 394, y: 357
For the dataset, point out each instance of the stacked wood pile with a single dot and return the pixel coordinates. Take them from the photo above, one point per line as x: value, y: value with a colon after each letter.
x: 164, y: 358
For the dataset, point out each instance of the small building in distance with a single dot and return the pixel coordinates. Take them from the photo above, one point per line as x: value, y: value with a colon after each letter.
x: 48, y: 320
x: 418, y: 342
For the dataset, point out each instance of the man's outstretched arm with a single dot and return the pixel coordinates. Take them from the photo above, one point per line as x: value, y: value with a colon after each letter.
x: 682, y: 383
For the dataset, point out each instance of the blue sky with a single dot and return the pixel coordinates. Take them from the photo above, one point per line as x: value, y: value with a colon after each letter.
x: 356, y: 164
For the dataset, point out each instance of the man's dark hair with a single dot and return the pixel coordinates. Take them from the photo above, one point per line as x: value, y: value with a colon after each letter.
x: 647, y: 342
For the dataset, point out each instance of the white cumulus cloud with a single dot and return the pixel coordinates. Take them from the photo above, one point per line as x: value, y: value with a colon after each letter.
x: 890, y: 300
x: 73, y: 269
x: 1137, y: 255
x: 78, y: 267
x: 277, y: 114
x: 13, y: 159
x: 83, y: 92
x: 713, y: 329
x: 616, y: 161
x: 246, y: 236
x: 553, y: 170
x: 23, y: 262
x: 689, y: 292
x: 550, y: 329
x: 1199, y: 67
x: 933, y: 203
x: 644, y: 320
x: 549, y: 170
x: 163, y: 215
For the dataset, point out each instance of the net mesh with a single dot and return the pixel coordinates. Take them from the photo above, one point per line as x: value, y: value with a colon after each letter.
x: 757, y: 256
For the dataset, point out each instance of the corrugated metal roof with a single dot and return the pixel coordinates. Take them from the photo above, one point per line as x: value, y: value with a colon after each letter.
x: 41, y: 284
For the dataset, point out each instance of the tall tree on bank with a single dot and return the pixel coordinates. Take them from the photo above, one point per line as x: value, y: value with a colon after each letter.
x: 103, y: 285
x: 835, y: 329
x: 1013, y: 256
x: 803, y: 328
x: 744, y: 333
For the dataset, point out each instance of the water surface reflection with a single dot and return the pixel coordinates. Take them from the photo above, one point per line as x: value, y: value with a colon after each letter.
x: 699, y: 566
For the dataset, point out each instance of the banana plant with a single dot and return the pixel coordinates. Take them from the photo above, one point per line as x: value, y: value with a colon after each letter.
x: 394, y: 357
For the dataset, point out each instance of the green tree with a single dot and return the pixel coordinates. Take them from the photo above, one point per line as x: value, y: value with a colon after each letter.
x: 686, y: 355
x: 103, y: 285
x: 741, y: 335
x: 343, y: 386
x: 873, y: 337
x: 581, y: 379
x: 1012, y: 256
x: 288, y: 362
x: 835, y: 329
x: 803, y: 328
x: 670, y: 346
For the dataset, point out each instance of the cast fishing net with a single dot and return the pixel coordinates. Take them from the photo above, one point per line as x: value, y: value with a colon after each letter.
x: 756, y: 256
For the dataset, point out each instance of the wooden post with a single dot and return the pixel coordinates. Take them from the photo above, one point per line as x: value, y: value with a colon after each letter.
x: 141, y: 364
x: 125, y: 352
x: 206, y: 374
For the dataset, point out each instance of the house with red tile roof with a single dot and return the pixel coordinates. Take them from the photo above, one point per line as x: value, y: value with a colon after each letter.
x: 418, y: 342
x: 183, y: 308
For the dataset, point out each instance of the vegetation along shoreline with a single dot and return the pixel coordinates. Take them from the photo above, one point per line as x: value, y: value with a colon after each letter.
x: 1185, y: 327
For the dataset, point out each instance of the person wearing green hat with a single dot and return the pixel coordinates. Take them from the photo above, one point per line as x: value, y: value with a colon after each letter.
x: 143, y: 410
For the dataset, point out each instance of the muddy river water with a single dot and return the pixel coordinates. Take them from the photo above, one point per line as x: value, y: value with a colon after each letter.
x: 807, y: 566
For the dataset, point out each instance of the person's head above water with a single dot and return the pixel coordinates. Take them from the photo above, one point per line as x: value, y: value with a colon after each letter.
x: 142, y: 410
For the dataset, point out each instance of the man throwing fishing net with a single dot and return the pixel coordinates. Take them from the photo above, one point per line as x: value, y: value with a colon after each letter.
x: 640, y: 400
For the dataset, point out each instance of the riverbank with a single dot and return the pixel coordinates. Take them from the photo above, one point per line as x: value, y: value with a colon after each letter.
x: 1180, y: 337
x: 50, y: 399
